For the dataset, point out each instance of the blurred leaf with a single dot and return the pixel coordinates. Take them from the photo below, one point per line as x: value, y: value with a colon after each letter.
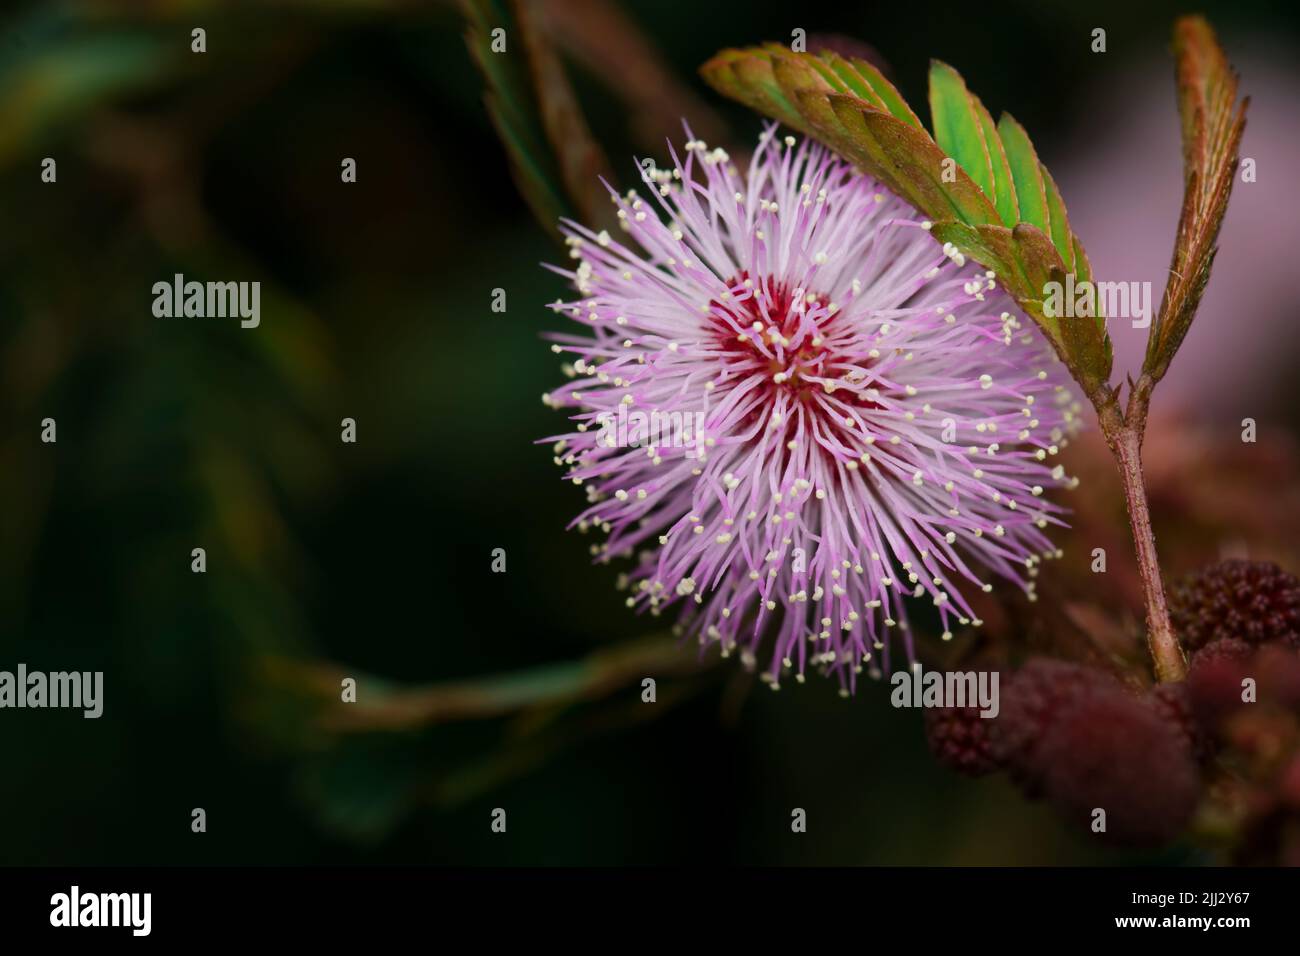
x: 368, y: 762
x: 556, y: 163
x: 1212, y: 125
x: 362, y: 789
x: 1108, y: 632
x: 381, y: 705
x: 582, y: 161
x: 521, y: 755
x: 509, y: 104
x: 855, y: 111
x: 51, y: 84
x: 601, y: 37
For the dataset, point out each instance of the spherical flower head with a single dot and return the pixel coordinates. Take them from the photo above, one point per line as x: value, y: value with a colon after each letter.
x: 1110, y: 750
x: 959, y: 738
x: 1253, y: 601
x: 795, y: 411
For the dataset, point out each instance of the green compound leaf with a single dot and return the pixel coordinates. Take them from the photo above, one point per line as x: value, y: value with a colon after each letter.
x: 999, y: 206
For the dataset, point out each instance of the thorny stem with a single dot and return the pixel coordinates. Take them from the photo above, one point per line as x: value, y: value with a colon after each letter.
x: 1124, y: 433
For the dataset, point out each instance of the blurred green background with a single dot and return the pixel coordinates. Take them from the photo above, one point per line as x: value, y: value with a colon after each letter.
x: 373, y: 560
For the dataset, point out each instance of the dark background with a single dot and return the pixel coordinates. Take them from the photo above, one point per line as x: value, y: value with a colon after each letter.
x: 374, y: 558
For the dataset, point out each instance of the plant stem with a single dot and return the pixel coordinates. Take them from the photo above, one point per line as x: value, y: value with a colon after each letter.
x: 1124, y: 435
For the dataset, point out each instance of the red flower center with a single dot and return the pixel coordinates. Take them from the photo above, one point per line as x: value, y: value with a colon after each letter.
x: 794, y: 341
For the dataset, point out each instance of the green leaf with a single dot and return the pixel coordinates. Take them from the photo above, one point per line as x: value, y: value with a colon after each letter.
x: 1212, y: 125
x: 1005, y: 197
x: 806, y: 94
x: 914, y: 154
x: 964, y: 130
x: 957, y: 127
x: 1088, y: 345
x: 1025, y: 260
x: 1031, y: 193
x: 755, y: 73
x: 866, y: 82
x: 1062, y: 238
x: 851, y: 108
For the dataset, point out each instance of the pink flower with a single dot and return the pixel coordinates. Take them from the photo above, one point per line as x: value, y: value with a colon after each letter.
x: 795, y: 411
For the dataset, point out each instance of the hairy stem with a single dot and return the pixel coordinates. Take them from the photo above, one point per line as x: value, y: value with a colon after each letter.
x: 1124, y: 435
